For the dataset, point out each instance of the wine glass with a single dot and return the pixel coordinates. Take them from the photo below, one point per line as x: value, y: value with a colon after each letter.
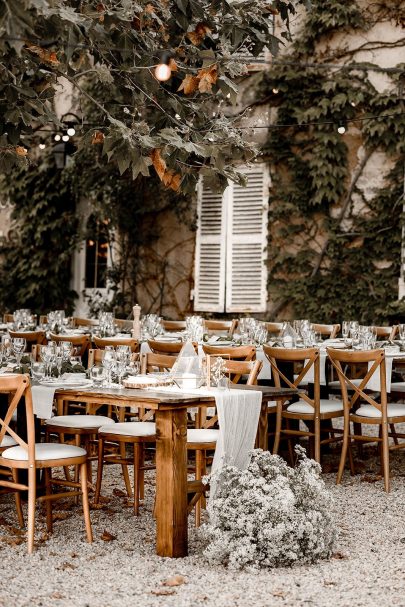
x: 47, y: 356
x: 108, y: 364
x: 18, y: 344
x: 37, y: 370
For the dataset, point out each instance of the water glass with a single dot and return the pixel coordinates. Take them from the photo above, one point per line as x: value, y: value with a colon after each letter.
x: 98, y: 375
x: 37, y: 370
x: 18, y: 345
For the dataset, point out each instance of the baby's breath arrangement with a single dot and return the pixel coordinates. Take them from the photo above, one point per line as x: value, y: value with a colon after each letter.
x: 269, y: 515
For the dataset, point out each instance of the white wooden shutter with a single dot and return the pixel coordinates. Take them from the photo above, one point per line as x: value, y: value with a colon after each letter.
x: 246, y: 271
x: 210, y: 250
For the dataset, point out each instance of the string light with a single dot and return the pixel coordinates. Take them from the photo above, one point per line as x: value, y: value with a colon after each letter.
x: 71, y: 131
x: 65, y: 138
x: 341, y: 129
x: 57, y: 137
x: 163, y: 71
x: 275, y: 91
x: 42, y: 146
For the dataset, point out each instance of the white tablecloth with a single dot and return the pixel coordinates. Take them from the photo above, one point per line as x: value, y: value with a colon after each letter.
x: 42, y: 401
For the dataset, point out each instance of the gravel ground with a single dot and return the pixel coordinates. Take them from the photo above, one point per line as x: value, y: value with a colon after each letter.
x: 367, y: 567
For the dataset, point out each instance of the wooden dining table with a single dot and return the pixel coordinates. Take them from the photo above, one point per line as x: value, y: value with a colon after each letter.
x: 172, y: 486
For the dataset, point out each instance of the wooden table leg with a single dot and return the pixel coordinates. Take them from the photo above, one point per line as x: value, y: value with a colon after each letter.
x: 262, y: 429
x: 171, y: 483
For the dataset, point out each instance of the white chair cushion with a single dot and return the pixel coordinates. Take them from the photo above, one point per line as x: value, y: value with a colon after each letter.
x: 398, y: 386
x: 45, y: 451
x: 202, y: 435
x: 326, y: 406
x: 7, y: 441
x: 393, y: 410
x: 130, y: 429
x: 336, y: 383
x: 80, y: 421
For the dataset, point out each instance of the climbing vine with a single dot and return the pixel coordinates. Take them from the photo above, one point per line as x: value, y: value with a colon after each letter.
x: 335, y: 242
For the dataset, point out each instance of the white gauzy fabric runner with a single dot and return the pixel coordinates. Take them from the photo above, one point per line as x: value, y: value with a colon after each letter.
x: 238, y: 418
x: 42, y: 401
x: 374, y: 381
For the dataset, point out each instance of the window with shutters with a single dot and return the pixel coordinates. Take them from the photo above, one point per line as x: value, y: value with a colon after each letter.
x: 230, y: 265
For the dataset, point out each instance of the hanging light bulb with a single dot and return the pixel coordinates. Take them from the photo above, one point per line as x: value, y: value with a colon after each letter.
x: 275, y: 91
x: 341, y: 129
x: 57, y: 137
x: 42, y: 146
x: 163, y: 71
x: 65, y: 138
x: 71, y: 131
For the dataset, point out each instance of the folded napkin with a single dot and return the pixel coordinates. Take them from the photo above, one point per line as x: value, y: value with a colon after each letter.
x: 42, y: 401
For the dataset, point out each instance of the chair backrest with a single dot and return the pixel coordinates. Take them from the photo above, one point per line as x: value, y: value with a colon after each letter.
x: 386, y: 332
x: 84, y: 322
x: 102, y: 342
x: 310, y: 359
x: 239, y: 368
x: 122, y: 323
x: 232, y: 353
x: 375, y: 360
x: 80, y: 342
x: 326, y: 330
x: 8, y: 318
x: 31, y: 337
x: 151, y: 362
x: 18, y: 386
x: 174, y: 325
x: 96, y: 357
x: 273, y: 328
x: 221, y: 326
x: 43, y: 319
x: 170, y: 348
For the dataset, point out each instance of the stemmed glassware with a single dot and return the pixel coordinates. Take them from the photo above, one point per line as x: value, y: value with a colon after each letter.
x: 108, y: 364
x: 401, y: 331
x: 48, y: 357
x: 18, y: 345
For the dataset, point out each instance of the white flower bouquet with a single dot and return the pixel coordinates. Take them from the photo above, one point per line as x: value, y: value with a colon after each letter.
x: 269, y: 515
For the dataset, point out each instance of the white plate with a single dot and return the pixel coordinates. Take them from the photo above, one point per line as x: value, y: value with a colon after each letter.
x: 83, y: 383
x: 220, y: 343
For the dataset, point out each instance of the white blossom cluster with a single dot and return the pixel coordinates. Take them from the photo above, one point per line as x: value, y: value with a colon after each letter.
x: 269, y: 515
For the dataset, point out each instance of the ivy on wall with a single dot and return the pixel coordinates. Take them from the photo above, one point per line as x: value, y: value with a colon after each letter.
x: 335, y: 246
x: 36, y: 254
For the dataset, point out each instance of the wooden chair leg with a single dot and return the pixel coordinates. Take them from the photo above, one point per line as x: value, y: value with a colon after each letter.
x: 141, y: 472
x: 18, y: 504
x: 277, y: 434
x: 386, y: 457
x: 136, y: 478
x: 32, y: 495
x: 48, y: 503
x: 343, y: 455
x: 124, y: 467
x: 85, y: 497
x: 357, y: 429
x: 99, y: 469
x: 198, y: 465
x: 394, y: 434
x: 290, y: 445
x: 317, y: 440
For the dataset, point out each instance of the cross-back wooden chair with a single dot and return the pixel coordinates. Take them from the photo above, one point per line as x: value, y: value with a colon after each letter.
x: 386, y: 332
x: 80, y: 342
x: 84, y: 322
x: 363, y: 407
x: 151, y: 362
x: 221, y: 326
x: 328, y: 331
x: 273, y: 328
x: 8, y: 318
x: 310, y: 410
x: 231, y: 353
x: 123, y: 324
x: 173, y: 325
x: 167, y: 348
x: 32, y: 338
x: 31, y: 456
x: 204, y: 437
x: 102, y: 342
